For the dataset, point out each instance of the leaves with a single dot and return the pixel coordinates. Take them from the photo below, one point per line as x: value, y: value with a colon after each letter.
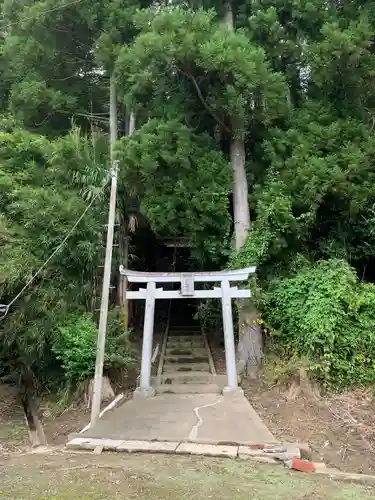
x: 75, y: 347
x: 232, y: 71
x: 297, y: 74
x: 39, y: 206
x: 324, y: 313
x: 165, y: 162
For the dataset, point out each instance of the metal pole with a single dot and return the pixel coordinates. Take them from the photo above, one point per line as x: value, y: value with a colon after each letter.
x: 100, y: 350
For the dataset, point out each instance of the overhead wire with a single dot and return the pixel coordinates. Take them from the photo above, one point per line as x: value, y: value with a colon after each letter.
x: 6, y: 307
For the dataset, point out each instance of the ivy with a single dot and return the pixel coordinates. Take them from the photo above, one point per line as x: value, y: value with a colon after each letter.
x: 325, y: 314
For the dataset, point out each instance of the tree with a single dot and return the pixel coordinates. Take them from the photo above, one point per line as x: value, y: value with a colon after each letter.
x: 270, y: 103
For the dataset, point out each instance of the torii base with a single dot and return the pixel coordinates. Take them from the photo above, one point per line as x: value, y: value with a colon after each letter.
x: 233, y: 393
x: 141, y: 393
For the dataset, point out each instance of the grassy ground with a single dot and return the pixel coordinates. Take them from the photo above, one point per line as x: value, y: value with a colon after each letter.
x: 153, y: 477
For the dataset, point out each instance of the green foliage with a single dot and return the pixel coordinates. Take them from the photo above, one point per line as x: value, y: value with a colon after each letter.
x: 230, y: 74
x: 39, y: 203
x: 299, y: 75
x: 75, y: 347
x: 164, y: 162
x: 325, y: 314
x: 317, y: 197
x: 48, y: 64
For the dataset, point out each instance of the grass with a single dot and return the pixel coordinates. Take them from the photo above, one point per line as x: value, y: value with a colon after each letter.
x: 155, y: 477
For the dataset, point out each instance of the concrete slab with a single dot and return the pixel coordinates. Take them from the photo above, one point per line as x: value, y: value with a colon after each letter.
x: 233, y: 421
x: 207, y: 450
x: 88, y: 443
x: 287, y: 453
x: 208, y: 418
x: 168, y: 417
x: 150, y: 446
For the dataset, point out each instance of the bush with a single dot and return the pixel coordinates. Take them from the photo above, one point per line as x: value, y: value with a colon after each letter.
x: 325, y: 313
x: 75, y: 348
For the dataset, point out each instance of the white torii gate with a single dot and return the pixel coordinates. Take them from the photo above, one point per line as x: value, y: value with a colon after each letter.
x: 187, y: 280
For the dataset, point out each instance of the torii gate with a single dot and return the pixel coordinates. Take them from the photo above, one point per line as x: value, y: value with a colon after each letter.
x: 187, y: 280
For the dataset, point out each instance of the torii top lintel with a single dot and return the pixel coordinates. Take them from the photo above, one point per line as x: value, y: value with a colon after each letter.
x: 144, y: 277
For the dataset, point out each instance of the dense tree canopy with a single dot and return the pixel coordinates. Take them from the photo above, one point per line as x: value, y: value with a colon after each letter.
x: 283, y: 88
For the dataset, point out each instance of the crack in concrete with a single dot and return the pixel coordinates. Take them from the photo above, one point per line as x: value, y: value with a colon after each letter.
x: 194, y: 431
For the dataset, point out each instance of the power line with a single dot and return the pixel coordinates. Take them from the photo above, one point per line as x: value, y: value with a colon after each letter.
x: 53, y: 9
x: 4, y: 308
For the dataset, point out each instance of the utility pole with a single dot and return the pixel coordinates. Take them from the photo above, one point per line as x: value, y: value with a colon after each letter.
x: 100, y: 350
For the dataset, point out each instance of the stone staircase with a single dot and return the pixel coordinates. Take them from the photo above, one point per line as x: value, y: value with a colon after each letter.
x: 186, y: 365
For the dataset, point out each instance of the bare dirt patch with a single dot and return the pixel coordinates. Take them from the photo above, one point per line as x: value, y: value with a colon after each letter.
x: 14, y: 434
x: 340, y: 429
x: 13, y: 431
x: 57, y: 425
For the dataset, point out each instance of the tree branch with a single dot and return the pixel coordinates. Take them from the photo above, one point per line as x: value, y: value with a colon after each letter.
x: 202, y: 99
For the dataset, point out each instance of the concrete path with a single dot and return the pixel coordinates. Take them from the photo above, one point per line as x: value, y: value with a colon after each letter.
x: 204, y: 418
x: 190, y: 407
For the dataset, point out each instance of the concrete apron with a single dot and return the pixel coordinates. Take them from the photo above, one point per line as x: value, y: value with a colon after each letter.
x: 244, y: 452
x: 204, y: 424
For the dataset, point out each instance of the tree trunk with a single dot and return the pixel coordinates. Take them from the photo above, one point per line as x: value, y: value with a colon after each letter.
x: 26, y: 394
x: 237, y: 158
x: 123, y: 258
x: 250, y: 343
x: 249, y: 351
x: 228, y: 14
x: 240, y: 187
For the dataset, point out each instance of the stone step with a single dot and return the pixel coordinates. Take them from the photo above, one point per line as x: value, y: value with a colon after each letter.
x: 183, y: 351
x: 185, y: 338
x: 187, y: 389
x: 190, y: 333
x: 188, y: 328
x: 186, y: 367
x: 185, y: 345
x: 186, y: 378
x: 187, y: 358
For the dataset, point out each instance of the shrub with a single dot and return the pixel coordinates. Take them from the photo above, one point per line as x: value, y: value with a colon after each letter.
x: 75, y: 348
x: 325, y: 313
